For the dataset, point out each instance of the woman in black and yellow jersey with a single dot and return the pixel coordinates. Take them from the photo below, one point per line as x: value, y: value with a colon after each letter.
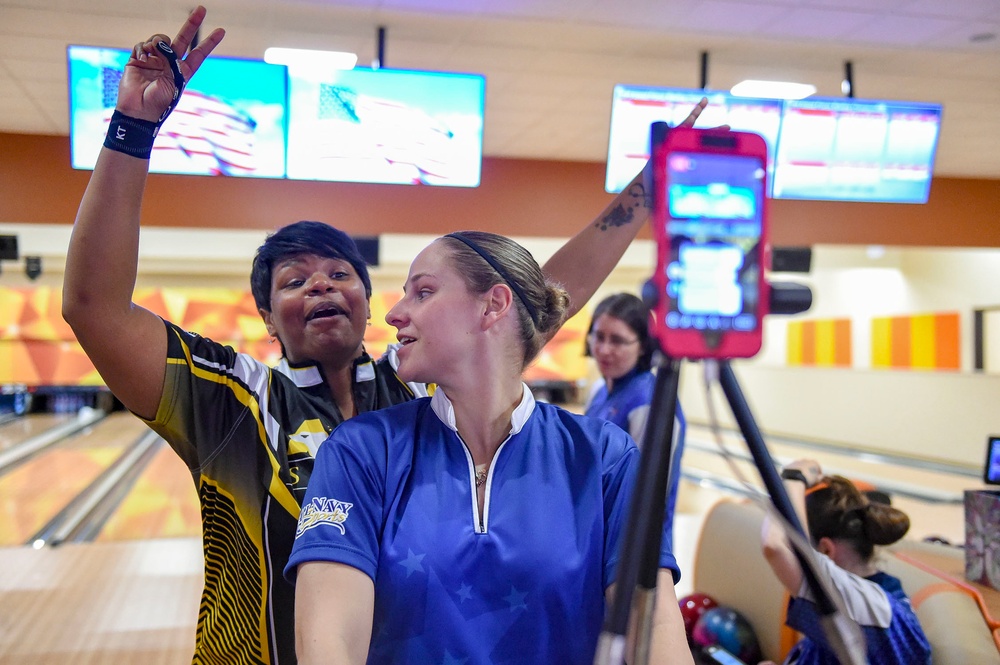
x: 247, y: 431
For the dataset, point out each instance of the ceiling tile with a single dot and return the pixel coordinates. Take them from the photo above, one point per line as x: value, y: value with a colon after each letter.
x: 902, y: 30
x: 551, y: 64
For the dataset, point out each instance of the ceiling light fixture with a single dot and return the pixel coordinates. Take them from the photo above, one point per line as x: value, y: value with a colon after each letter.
x: 310, y: 59
x: 772, y: 89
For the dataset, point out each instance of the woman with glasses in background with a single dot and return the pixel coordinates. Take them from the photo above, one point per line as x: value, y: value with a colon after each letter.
x: 621, y: 344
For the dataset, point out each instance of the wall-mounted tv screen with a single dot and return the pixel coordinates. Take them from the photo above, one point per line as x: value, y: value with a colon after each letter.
x: 635, y: 108
x: 386, y: 126
x: 819, y: 148
x: 856, y: 150
x: 229, y: 121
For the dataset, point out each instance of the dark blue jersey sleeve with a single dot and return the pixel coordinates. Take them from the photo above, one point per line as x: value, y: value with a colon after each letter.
x: 342, y: 515
x: 621, y: 461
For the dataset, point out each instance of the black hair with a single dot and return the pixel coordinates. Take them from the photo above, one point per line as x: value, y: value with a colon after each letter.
x: 303, y: 238
x: 631, y: 311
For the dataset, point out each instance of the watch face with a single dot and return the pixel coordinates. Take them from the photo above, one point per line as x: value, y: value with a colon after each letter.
x: 794, y: 474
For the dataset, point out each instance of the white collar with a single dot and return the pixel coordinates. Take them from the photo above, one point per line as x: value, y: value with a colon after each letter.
x: 303, y: 377
x: 309, y: 375
x: 445, y: 411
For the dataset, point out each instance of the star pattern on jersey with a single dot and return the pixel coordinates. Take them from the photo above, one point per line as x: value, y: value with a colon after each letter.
x: 452, y: 660
x: 491, y: 621
x: 413, y: 563
x: 516, y: 599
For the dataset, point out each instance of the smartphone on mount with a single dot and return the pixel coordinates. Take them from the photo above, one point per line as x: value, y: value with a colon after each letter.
x: 710, y: 224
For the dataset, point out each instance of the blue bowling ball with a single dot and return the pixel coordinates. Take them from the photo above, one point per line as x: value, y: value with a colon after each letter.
x: 725, y: 627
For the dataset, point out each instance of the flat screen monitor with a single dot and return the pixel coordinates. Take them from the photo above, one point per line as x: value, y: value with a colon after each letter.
x: 991, y: 471
x: 386, y: 126
x: 843, y: 149
x: 229, y: 121
x: 635, y: 108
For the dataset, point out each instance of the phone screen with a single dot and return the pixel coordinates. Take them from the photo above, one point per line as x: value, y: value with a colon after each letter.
x: 714, y: 223
x: 991, y: 473
x: 717, y: 654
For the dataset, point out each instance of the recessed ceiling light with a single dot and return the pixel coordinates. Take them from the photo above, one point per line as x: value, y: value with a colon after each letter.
x: 311, y: 59
x: 772, y: 89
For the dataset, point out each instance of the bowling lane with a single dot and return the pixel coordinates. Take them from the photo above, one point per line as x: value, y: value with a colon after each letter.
x: 163, y: 503
x: 100, y: 603
x: 939, y: 513
x: 35, y: 491
x: 19, y: 430
x: 705, y: 472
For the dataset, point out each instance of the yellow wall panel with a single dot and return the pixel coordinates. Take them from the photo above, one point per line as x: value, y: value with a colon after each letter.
x: 794, y: 343
x: 881, y: 342
x: 825, y: 343
x: 922, y: 342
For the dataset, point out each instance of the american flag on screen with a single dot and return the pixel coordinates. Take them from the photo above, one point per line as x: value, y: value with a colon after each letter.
x: 403, y: 136
x: 109, y: 86
x: 203, y: 135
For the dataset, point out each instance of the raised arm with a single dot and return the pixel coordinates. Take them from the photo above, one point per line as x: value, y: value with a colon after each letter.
x: 334, y: 608
x: 126, y: 343
x: 774, y: 543
x: 586, y: 260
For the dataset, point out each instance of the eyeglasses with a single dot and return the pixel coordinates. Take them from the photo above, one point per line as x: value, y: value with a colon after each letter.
x: 614, y: 341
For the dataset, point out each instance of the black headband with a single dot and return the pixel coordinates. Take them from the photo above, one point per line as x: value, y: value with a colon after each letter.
x: 532, y: 312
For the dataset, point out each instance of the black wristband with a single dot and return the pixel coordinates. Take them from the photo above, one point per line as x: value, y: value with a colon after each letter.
x: 179, y: 81
x: 795, y: 474
x: 131, y: 136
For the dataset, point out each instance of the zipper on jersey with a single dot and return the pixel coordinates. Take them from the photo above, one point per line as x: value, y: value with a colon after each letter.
x: 480, y: 520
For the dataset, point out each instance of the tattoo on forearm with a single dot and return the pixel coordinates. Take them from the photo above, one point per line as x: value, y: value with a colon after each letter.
x: 624, y: 213
x: 638, y: 192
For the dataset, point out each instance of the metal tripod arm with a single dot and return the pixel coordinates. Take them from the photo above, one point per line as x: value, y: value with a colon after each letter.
x: 844, y: 637
x: 639, y: 561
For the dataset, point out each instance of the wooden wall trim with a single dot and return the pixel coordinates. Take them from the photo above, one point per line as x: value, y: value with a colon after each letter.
x: 517, y: 197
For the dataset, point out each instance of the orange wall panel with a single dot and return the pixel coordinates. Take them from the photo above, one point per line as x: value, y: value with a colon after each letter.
x: 808, y: 342
x: 517, y: 197
x: 52, y: 356
x: 920, y: 341
x: 842, y: 345
x: 948, y: 341
x: 819, y: 343
x: 899, y: 335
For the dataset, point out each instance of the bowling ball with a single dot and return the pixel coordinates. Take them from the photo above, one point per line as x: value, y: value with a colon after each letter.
x: 692, y: 607
x: 727, y: 628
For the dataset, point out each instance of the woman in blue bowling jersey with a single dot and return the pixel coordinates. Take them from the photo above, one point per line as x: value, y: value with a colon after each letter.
x: 476, y: 525
x: 621, y: 344
x: 844, y: 527
x: 248, y: 432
